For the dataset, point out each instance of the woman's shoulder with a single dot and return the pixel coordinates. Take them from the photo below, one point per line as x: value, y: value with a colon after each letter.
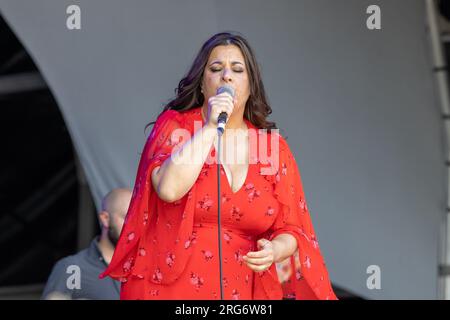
x: 168, y: 115
x: 169, y: 119
x: 180, y: 116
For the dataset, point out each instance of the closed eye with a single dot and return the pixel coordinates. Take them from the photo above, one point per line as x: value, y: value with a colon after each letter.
x: 217, y: 70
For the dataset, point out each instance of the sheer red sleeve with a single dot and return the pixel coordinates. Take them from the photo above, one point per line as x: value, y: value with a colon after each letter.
x: 151, y: 242
x: 307, y: 276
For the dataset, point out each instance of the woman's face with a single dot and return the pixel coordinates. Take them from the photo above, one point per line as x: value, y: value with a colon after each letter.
x: 226, y: 66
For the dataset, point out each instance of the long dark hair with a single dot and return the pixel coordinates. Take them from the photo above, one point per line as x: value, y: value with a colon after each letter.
x: 188, y: 93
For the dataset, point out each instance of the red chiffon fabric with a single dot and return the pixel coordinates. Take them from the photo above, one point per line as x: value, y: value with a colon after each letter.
x: 169, y: 250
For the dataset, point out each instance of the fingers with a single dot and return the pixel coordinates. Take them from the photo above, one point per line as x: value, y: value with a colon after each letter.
x: 222, y: 98
x: 260, y: 264
x: 258, y: 261
x: 261, y: 243
x: 262, y: 259
x: 220, y: 103
x: 225, y: 95
x: 228, y: 97
x: 257, y: 254
x: 258, y: 268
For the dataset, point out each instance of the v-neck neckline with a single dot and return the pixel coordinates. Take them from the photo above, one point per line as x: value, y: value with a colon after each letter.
x: 248, y: 124
x: 228, y: 181
x: 243, y: 184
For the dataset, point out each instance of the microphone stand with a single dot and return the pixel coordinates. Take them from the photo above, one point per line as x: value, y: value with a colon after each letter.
x: 219, y: 200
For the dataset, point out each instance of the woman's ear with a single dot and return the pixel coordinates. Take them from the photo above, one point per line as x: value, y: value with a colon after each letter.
x: 201, y: 85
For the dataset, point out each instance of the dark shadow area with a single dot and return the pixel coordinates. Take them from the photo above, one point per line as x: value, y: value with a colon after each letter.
x: 38, y: 179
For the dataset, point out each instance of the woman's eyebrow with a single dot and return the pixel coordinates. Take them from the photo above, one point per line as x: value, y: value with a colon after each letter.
x: 220, y: 62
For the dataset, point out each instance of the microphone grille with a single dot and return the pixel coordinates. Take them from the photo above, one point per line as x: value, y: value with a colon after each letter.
x: 226, y: 88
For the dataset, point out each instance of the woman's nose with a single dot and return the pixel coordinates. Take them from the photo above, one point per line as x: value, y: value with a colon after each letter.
x: 226, y: 75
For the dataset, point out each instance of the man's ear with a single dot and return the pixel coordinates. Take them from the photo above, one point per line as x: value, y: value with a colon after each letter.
x: 104, y: 218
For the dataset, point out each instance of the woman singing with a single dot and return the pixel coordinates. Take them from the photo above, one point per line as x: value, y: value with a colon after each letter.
x: 168, y: 248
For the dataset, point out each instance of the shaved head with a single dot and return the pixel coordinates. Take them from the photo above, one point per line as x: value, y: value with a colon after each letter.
x: 117, y: 201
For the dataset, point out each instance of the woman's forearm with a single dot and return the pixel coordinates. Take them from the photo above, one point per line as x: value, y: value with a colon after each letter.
x: 284, y: 245
x: 179, y: 172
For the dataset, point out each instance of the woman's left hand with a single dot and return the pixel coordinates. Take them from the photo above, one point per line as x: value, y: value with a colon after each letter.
x: 261, y: 260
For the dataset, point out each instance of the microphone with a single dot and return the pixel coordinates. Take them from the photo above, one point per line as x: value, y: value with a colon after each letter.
x: 222, y: 119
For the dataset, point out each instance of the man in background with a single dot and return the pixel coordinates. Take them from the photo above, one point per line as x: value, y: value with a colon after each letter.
x: 76, y: 276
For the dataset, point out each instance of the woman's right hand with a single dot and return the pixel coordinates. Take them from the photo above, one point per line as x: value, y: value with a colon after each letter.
x: 219, y: 103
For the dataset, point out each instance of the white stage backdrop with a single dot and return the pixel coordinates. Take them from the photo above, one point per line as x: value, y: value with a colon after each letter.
x: 358, y: 106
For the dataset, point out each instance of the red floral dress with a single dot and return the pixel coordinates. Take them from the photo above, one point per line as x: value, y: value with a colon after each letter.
x: 170, y: 250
